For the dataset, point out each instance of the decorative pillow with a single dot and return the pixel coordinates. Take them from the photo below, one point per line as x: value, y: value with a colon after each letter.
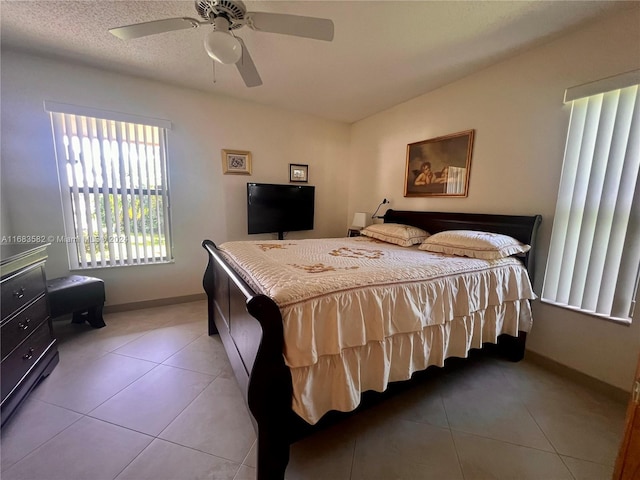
x: 403, y: 235
x: 470, y: 243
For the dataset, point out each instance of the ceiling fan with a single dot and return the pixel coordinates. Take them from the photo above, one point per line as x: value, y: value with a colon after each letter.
x: 228, y: 15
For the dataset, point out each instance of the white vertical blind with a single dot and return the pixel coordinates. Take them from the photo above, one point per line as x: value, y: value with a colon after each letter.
x: 594, y: 256
x: 115, y: 195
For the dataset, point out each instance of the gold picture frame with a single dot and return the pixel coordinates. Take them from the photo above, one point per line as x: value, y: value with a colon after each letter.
x: 439, y: 167
x: 236, y: 162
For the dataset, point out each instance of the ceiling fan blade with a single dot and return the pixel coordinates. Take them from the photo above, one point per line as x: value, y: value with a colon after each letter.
x: 247, y: 68
x: 309, y: 27
x: 151, y: 28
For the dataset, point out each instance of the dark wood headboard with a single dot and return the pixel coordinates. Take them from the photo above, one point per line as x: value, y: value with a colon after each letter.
x: 521, y: 227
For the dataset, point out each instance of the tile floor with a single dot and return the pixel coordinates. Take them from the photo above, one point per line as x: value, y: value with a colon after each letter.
x: 151, y: 396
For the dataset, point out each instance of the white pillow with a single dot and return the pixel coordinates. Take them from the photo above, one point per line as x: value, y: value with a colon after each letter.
x: 403, y: 235
x: 470, y: 243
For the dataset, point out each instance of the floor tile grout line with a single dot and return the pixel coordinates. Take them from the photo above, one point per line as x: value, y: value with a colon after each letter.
x: 567, y: 467
x: 156, y: 365
x: 50, y: 439
x: 185, y: 369
x: 111, y: 396
x: 46, y: 441
x: 170, y: 422
x: 143, y: 334
x: 451, y: 430
x: 146, y: 359
x: 588, y: 461
x: 541, y: 429
x: 119, y: 426
x: 59, y: 406
x: 145, y: 374
x: 133, y: 459
x: 123, y: 388
x: 533, y: 417
x: 455, y: 447
x: 353, y: 457
x: 444, y: 409
x: 187, y: 406
x: 156, y: 437
x: 69, y: 374
x: 554, y: 452
x: 202, y: 451
x: 247, y: 455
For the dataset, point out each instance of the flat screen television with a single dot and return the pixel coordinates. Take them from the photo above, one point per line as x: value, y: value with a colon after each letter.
x: 279, y: 208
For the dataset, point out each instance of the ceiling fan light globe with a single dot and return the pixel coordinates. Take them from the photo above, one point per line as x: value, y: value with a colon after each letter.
x: 223, y: 47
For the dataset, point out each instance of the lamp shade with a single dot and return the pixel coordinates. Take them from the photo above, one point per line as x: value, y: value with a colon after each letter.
x: 223, y: 47
x: 359, y: 220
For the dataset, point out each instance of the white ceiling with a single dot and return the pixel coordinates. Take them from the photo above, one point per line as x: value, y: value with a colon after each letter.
x: 384, y: 52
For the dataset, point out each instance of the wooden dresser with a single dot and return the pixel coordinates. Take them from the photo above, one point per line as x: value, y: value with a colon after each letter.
x: 28, y: 347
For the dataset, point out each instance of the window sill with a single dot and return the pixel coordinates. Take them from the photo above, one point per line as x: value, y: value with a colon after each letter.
x: 616, y: 320
x: 106, y: 267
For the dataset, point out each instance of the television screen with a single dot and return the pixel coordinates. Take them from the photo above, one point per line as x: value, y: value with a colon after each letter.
x: 279, y: 208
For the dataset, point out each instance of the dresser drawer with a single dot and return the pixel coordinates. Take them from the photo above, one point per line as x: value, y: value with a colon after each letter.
x: 20, y: 361
x: 21, y: 289
x: 16, y: 329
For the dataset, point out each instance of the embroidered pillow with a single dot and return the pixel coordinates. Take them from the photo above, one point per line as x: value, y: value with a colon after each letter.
x: 470, y: 243
x: 403, y: 235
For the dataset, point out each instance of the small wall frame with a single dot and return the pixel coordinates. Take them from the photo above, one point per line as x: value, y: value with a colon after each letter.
x: 237, y: 162
x: 298, y: 173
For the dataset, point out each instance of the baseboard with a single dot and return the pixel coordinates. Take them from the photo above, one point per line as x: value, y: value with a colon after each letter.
x: 160, y: 302
x: 579, y: 377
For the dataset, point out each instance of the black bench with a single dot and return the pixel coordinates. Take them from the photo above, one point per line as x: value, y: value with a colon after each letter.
x: 82, y: 296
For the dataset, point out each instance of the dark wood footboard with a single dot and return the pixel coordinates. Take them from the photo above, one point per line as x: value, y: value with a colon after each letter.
x: 250, y: 327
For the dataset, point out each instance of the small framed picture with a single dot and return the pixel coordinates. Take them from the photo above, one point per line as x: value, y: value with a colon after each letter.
x: 236, y: 162
x: 298, y: 173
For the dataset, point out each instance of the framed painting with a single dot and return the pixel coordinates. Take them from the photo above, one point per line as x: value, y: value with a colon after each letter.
x: 236, y: 162
x: 298, y: 173
x: 439, y: 167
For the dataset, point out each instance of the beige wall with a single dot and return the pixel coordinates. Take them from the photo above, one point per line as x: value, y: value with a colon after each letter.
x: 205, y: 203
x: 520, y: 123
x: 5, y: 224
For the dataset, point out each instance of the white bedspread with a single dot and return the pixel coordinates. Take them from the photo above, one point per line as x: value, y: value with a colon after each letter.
x: 359, y: 313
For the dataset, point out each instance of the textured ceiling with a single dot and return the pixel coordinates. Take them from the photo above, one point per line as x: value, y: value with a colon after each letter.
x: 383, y: 53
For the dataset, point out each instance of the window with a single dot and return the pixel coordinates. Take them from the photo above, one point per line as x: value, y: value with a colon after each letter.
x: 113, y: 182
x: 594, y: 256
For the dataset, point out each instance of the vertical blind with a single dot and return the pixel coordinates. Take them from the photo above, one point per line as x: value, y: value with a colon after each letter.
x: 113, y: 179
x: 594, y: 256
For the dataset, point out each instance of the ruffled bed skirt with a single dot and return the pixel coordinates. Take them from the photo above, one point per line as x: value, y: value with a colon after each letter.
x: 336, y: 382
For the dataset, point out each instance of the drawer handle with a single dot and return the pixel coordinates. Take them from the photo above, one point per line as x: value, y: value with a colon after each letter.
x: 29, y: 354
x: 25, y: 325
x: 19, y: 293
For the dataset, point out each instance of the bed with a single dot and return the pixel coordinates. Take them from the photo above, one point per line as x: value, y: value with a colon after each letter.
x: 304, y: 347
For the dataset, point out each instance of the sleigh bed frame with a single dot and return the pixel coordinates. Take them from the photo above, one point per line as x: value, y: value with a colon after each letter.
x: 250, y: 327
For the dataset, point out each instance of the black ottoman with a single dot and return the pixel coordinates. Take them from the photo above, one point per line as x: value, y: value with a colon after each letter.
x: 82, y: 296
